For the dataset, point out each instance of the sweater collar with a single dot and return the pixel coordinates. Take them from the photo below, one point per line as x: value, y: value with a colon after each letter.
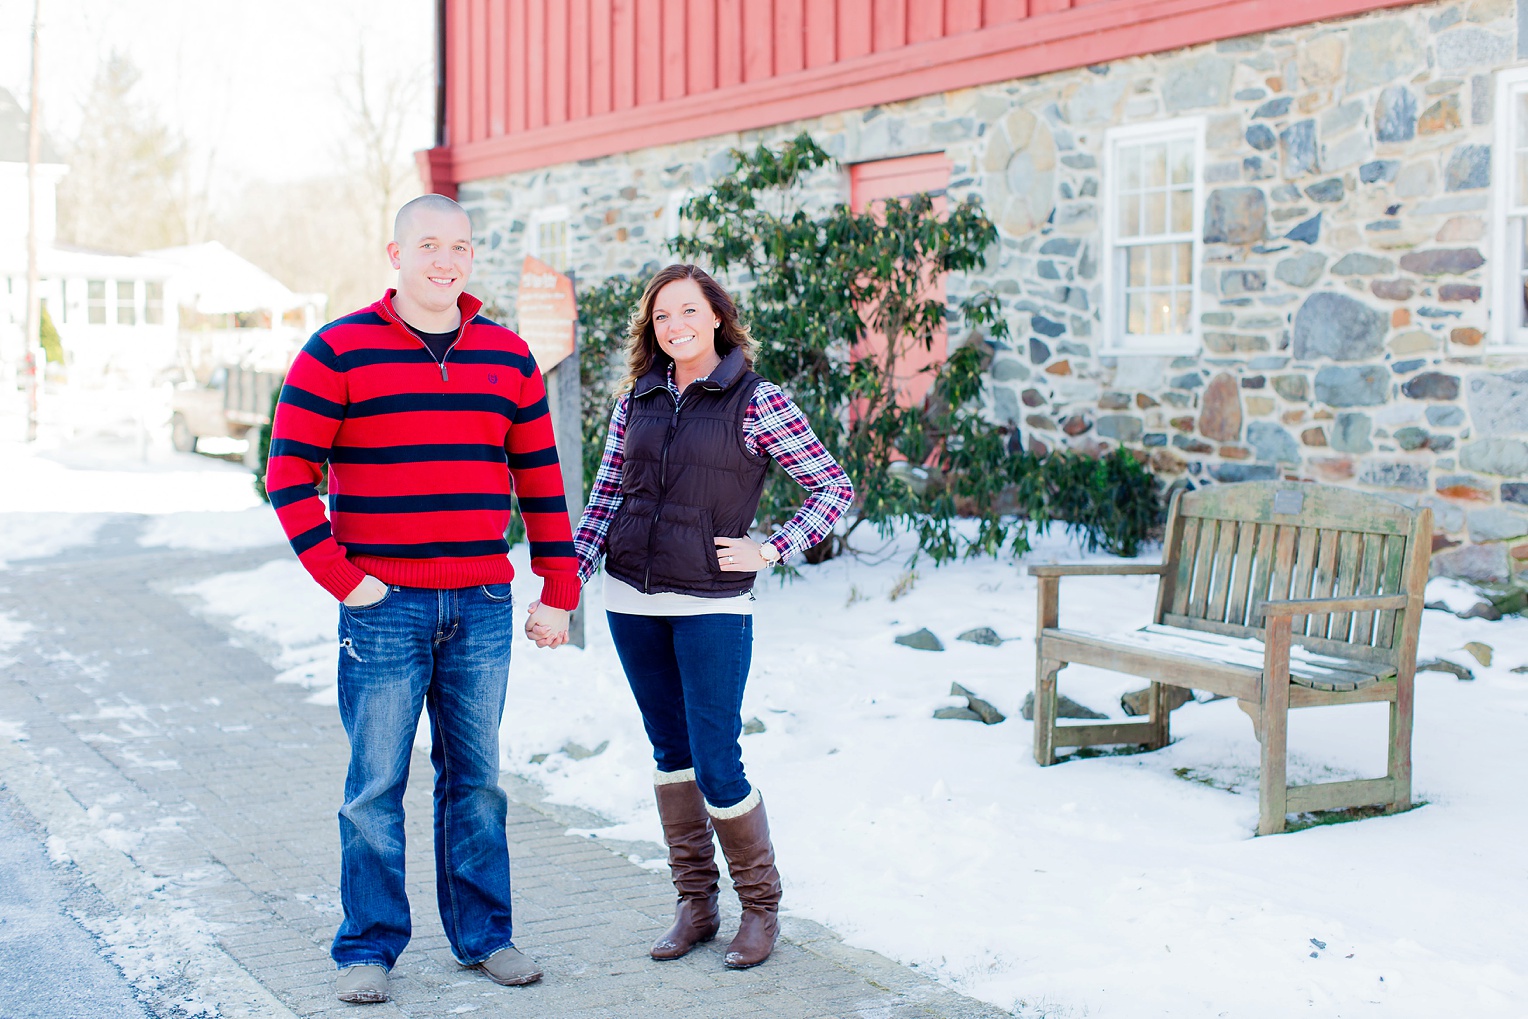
x: 468, y: 305
x: 722, y: 377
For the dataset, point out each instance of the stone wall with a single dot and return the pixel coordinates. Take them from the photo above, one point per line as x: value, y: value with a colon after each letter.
x: 1344, y: 284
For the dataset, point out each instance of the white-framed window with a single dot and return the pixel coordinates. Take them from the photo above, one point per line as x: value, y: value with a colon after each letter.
x: 1509, y: 227
x: 547, y: 237
x: 95, y: 302
x: 1153, y: 195
x: 153, y: 302
x: 127, y: 302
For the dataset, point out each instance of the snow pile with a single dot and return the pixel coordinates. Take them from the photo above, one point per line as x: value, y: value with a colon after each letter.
x: 288, y: 616
x: 1115, y: 885
x: 58, y: 498
x: 214, y: 530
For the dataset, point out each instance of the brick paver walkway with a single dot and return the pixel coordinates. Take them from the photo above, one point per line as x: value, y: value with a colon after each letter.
x: 198, y: 795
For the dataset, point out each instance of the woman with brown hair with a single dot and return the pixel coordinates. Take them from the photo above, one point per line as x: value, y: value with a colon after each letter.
x: 690, y: 442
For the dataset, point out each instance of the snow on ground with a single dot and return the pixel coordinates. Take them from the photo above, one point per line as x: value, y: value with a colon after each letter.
x: 58, y: 495
x: 1112, y: 886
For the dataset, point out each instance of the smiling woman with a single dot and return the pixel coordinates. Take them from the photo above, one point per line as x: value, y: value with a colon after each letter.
x: 689, y: 444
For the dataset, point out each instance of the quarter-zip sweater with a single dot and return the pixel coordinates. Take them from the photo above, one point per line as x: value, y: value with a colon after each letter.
x: 423, y: 457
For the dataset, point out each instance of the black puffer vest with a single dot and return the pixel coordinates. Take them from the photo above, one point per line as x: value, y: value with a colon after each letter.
x: 687, y: 478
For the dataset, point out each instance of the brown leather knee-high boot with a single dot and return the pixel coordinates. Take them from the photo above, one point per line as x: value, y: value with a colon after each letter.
x: 692, y: 863
x: 743, y: 831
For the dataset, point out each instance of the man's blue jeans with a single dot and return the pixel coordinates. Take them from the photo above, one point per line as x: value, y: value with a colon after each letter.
x: 688, y: 674
x: 446, y: 650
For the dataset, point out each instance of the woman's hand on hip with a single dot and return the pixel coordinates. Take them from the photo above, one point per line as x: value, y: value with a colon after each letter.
x: 739, y: 555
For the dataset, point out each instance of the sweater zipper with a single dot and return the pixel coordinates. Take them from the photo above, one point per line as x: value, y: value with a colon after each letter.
x: 460, y: 330
x: 447, y: 353
x: 652, y: 530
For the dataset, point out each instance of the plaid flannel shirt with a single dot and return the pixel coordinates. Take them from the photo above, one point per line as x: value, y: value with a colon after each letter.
x: 773, y: 426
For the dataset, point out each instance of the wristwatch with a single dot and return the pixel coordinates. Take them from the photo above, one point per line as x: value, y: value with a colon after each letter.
x: 769, y: 554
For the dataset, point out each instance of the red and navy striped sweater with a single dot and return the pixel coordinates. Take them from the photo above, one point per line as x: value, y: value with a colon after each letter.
x: 421, y: 455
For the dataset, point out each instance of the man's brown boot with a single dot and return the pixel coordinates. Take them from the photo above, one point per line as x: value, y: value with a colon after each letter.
x: 692, y: 862
x: 743, y: 831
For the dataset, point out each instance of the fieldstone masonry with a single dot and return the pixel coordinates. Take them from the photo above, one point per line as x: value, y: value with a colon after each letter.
x: 1345, y: 334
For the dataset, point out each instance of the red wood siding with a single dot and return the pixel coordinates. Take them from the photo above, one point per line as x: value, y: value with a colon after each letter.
x: 531, y: 83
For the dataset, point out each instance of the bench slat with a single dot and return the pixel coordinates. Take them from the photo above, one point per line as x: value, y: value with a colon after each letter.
x: 1186, y: 553
x: 1306, y: 668
x: 1363, y: 622
x: 1204, y: 560
x: 1349, y: 565
x: 1220, y: 580
x: 1325, y: 579
x: 1336, y: 795
x: 1241, y: 577
x: 1395, y: 556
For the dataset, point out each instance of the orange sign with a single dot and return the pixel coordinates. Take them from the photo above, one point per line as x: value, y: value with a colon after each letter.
x: 548, y: 312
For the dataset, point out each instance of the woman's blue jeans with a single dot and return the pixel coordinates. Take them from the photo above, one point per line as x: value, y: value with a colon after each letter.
x: 688, y: 674
x: 447, y: 651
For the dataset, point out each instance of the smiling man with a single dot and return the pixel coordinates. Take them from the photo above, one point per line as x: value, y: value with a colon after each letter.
x: 428, y: 416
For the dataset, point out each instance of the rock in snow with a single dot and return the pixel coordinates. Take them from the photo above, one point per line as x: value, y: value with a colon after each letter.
x: 922, y: 639
x: 981, y: 635
x: 1065, y: 708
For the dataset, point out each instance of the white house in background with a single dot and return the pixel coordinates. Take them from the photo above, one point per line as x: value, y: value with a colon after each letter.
x: 232, y: 312
x: 135, y: 317
x: 115, y: 313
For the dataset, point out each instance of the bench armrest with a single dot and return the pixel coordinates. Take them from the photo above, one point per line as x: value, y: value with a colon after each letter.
x: 1098, y: 570
x: 1324, y: 606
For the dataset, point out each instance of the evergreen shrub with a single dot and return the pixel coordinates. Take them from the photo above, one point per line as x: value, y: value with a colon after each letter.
x: 816, y: 287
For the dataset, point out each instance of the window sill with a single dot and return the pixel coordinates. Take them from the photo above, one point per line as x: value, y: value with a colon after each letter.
x: 1152, y: 350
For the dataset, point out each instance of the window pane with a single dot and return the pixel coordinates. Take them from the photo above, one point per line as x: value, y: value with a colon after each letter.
x: 1520, y: 120
x: 1162, y: 265
x: 1135, y: 317
x: 1155, y: 170
x: 126, y: 312
x: 1130, y: 165
x: 1185, y: 264
x: 1130, y: 216
x: 1159, y: 309
x: 1183, y: 212
x: 1138, y: 259
x: 97, y: 299
x: 1183, y: 305
x: 153, y: 303
x: 1519, y: 241
x: 1156, y: 212
x: 1183, y: 161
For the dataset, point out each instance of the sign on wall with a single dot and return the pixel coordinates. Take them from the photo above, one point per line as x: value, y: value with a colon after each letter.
x: 548, y: 313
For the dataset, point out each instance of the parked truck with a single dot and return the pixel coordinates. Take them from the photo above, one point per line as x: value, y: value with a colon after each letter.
x: 234, y: 403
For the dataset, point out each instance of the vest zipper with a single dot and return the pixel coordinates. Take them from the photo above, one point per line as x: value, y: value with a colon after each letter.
x: 652, y: 530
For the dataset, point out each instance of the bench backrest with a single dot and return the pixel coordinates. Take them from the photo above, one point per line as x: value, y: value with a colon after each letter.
x: 1233, y: 547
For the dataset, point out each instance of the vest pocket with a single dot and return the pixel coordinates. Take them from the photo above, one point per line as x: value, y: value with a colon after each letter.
x: 683, y: 549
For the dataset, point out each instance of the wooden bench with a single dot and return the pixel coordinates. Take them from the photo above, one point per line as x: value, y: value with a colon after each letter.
x: 1280, y: 594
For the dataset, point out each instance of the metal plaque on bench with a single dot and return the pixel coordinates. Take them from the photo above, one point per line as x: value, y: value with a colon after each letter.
x: 1288, y: 501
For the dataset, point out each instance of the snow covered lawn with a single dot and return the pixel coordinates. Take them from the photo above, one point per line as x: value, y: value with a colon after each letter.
x: 1111, y: 886
x: 1117, y: 885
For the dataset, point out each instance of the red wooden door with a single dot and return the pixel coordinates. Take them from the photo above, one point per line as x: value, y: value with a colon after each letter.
x: 870, y: 183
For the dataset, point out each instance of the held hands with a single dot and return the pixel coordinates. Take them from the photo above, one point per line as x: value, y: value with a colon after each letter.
x: 547, y: 626
x: 739, y: 555
x: 368, y: 592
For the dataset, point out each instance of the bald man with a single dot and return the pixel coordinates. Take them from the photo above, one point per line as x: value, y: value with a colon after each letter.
x: 428, y: 416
